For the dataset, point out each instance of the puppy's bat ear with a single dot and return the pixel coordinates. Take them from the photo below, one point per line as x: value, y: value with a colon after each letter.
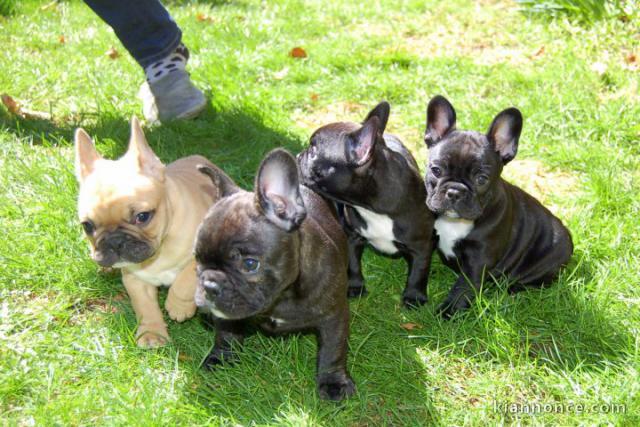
x: 441, y: 119
x: 362, y: 142
x: 381, y: 111
x: 277, y: 190
x: 86, y: 154
x: 221, y: 181
x: 504, y: 133
x: 141, y: 154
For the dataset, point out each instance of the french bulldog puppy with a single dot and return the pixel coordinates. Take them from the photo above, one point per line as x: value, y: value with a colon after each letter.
x: 141, y: 216
x: 377, y: 186
x: 276, y: 258
x: 485, y: 226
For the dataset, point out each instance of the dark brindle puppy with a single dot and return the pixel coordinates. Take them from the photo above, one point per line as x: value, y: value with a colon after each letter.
x: 379, y: 190
x: 276, y: 257
x: 486, y: 226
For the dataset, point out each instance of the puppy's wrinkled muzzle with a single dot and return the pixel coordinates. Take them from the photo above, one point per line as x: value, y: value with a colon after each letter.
x: 105, y: 258
x: 118, y: 246
x: 453, y: 200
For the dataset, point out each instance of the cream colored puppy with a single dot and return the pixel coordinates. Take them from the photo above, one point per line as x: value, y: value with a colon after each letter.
x: 141, y: 216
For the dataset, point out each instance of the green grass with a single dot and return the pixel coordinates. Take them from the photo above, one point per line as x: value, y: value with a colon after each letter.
x: 587, y: 11
x: 67, y: 353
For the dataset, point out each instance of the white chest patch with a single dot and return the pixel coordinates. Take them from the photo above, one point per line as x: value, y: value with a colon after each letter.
x: 278, y: 322
x: 450, y: 230
x: 165, y: 278
x: 379, y: 230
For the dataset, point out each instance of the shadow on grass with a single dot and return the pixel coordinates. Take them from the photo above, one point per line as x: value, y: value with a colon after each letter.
x: 236, y: 140
x: 559, y: 327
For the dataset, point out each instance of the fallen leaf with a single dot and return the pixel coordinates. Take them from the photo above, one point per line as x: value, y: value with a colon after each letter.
x: 184, y: 357
x: 11, y: 104
x: 61, y: 39
x: 17, y: 109
x: 201, y: 17
x: 298, y: 52
x: 631, y: 62
x: 314, y: 97
x: 410, y: 326
x: 279, y: 75
x: 112, y: 53
x: 630, y: 58
x: 539, y: 52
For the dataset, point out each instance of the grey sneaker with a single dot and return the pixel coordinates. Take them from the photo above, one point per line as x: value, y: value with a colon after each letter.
x: 170, y: 98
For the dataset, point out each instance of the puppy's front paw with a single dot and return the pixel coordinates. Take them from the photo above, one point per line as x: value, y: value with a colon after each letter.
x: 152, y: 335
x: 219, y: 357
x: 356, y: 288
x: 449, y: 308
x: 412, y: 298
x: 179, y: 309
x: 335, y: 386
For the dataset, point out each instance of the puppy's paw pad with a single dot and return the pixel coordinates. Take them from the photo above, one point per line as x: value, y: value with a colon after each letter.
x: 414, y: 299
x: 180, y: 310
x: 336, y: 388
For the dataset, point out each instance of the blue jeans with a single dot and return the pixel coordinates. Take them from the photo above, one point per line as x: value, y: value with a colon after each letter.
x: 144, y: 27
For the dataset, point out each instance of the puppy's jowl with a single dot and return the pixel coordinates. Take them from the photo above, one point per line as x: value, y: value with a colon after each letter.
x: 141, y: 216
x: 276, y: 258
x: 485, y: 226
x: 380, y: 195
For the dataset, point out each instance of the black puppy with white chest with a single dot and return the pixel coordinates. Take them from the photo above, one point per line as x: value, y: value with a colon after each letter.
x: 380, y: 194
x: 485, y: 226
x: 276, y: 258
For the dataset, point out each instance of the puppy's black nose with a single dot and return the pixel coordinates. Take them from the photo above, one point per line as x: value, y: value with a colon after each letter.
x: 453, y: 194
x: 212, y: 281
x: 211, y: 288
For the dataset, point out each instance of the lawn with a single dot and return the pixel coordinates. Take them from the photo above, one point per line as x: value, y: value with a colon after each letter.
x: 67, y: 352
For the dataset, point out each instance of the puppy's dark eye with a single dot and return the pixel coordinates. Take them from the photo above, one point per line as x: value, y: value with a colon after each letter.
x: 250, y: 265
x: 436, y: 171
x: 88, y: 226
x: 481, y: 180
x: 142, y: 218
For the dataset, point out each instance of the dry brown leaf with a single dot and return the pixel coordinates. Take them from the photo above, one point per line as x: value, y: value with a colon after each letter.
x: 630, y: 58
x: 202, y: 17
x: 314, y: 97
x: 112, y: 53
x: 11, y: 104
x: 61, y: 39
x: 410, y: 326
x: 298, y: 52
x: 18, y: 110
x: 539, y: 52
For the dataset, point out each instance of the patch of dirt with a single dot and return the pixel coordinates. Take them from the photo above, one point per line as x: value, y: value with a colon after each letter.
x: 541, y: 182
x: 479, y: 37
x: 343, y: 111
x: 311, y: 118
